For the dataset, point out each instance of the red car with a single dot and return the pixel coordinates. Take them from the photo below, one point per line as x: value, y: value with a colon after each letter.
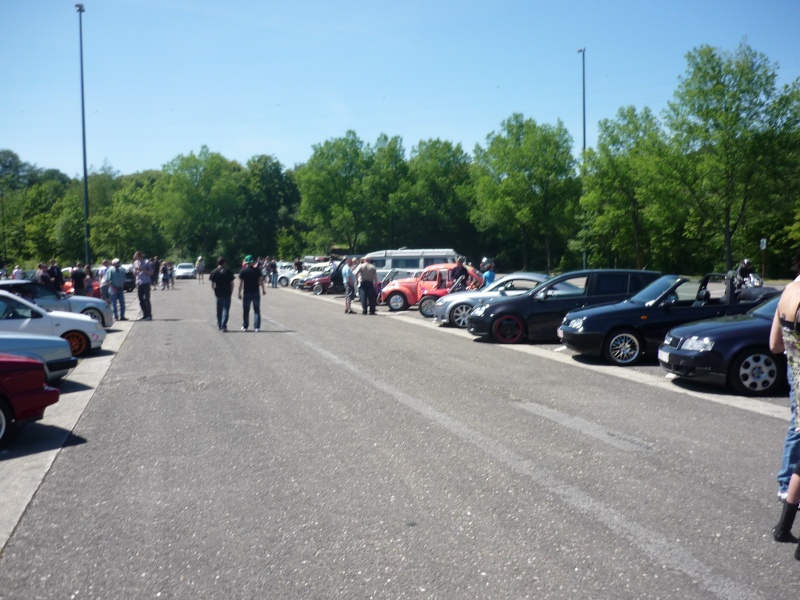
x: 432, y: 284
x: 23, y: 392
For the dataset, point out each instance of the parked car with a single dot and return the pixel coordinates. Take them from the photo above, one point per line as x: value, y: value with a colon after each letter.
x: 728, y: 351
x: 536, y: 315
x: 17, y: 315
x: 433, y: 283
x: 54, y: 352
x: 285, y: 275
x: 185, y: 271
x: 24, y: 395
x: 297, y: 280
x: 49, y: 299
x: 309, y: 282
x: 623, y: 332
x: 453, y: 309
x: 95, y: 293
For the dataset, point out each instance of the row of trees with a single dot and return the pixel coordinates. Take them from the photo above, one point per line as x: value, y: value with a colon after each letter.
x: 694, y: 190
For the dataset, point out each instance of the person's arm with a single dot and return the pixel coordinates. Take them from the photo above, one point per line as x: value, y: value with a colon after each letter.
x: 261, y: 283
x: 241, y: 283
x: 775, y: 336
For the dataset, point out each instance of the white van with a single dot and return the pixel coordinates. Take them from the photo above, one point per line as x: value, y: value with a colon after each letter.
x: 411, y: 259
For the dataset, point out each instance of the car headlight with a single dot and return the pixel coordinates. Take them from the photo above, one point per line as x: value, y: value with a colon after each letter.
x: 576, y: 323
x: 698, y: 344
x: 439, y: 302
x: 479, y: 310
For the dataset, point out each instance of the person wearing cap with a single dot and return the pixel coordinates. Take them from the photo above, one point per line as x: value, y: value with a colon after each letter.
x: 250, y: 279
x: 200, y: 267
x: 115, y: 280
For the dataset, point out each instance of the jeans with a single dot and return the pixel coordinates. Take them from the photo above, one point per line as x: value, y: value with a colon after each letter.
x: 118, y: 297
x: 143, y: 290
x: 255, y: 300
x: 223, y: 310
x: 104, y: 293
x: 273, y: 278
x: 368, y: 297
x: 791, y: 446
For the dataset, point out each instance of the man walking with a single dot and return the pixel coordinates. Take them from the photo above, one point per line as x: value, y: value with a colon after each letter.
x: 144, y: 272
x: 250, y: 279
x: 349, y: 279
x: 221, y: 280
x: 115, y: 278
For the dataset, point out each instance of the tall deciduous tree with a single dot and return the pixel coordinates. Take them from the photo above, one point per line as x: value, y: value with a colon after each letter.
x: 333, y: 203
x: 618, y: 177
x: 727, y: 119
x: 525, y: 179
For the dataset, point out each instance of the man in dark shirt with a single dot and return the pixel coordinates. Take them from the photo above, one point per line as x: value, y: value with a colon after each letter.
x: 55, y: 275
x: 78, y: 277
x: 250, y: 279
x: 221, y: 280
x: 459, y: 276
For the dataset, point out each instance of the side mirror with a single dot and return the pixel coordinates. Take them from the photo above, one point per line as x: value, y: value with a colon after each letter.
x: 541, y: 296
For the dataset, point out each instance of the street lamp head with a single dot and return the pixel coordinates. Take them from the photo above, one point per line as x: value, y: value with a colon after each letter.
x: 581, y: 50
x: 80, y: 8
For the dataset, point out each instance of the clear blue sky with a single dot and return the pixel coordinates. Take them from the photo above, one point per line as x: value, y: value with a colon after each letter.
x: 250, y: 77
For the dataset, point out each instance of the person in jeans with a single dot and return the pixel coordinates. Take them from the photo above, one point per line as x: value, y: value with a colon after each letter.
x: 143, y: 270
x: 221, y: 280
x: 250, y: 279
x: 115, y: 280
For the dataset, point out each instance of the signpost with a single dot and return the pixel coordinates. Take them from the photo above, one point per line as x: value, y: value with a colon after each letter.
x: 763, y: 249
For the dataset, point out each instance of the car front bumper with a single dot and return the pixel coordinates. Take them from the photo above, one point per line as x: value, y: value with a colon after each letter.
x: 581, y: 342
x: 702, y: 366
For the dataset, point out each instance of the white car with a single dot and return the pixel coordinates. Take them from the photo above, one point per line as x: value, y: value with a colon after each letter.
x: 54, y: 352
x: 185, y: 271
x: 49, y: 299
x: 17, y: 315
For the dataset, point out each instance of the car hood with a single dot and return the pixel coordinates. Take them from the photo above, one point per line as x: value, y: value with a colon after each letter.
x: 613, y: 308
x: 65, y: 316
x: 22, y: 341
x: 734, y: 325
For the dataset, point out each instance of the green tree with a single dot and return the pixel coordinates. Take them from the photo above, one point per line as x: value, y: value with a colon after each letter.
x: 525, y: 183
x: 333, y: 204
x: 727, y: 120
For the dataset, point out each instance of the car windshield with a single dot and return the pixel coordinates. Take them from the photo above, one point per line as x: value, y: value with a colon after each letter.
x: 185, y: 266
x: 655, y: 289
x: 766, y: 310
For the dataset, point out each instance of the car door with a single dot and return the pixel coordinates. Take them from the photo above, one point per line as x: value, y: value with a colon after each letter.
x: 48, y: 299
x: 553, y: 301
x: 20, y: 317
x: 686, y: 303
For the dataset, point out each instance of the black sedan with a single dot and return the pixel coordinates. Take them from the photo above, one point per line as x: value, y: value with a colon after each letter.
x: 731, y: 351
x: 623, y: 332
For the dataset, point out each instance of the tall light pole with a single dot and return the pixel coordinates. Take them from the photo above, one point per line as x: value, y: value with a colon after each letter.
x: 582, y: 52
x: 83, y: 127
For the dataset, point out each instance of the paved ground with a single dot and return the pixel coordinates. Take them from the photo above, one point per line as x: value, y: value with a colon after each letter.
x: 334, y: 455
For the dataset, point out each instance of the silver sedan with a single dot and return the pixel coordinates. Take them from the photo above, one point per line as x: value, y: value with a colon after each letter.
x: 54, y: 352
x: 453, y: 309
x: 49, y: 299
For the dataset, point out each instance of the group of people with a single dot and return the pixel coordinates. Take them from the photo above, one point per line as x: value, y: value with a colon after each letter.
x: 364, y: 278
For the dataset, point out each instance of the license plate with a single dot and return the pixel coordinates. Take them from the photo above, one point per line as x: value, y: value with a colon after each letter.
x: 663, y: 356
x: 560, y: 334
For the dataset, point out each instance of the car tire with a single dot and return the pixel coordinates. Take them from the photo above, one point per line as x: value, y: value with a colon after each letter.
x: 6, y: 423
x: 623, y: 347
x: 296, y: 284
x: 283, y: 281
x: 508, y: 329
x: 78, y: 342
x: 318, y: 290
x: 755, y: 372
x: 459, y: 314
x: 396, y: 301
x: 426, y: 307
x: 94, y: 314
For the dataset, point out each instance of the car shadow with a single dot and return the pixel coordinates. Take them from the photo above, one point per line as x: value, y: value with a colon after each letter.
x: 36, y: 437
x: 67, y: 386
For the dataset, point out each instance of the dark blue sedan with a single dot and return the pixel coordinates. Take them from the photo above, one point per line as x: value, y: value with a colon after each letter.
x: 729, y: 351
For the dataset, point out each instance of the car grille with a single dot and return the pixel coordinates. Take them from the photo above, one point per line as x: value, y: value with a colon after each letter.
x: 672, y: 341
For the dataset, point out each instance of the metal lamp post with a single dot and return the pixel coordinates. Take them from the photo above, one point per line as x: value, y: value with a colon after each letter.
x: 582, y: 52
x: 83, y: 127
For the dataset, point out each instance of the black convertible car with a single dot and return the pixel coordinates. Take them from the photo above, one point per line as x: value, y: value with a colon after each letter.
x: 624, y: 331
x: 731, y: 351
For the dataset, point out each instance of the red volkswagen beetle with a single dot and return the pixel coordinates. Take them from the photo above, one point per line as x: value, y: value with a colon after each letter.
x: 432, y: 284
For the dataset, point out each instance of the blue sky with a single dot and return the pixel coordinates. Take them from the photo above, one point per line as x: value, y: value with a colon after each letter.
x: 250, y: 77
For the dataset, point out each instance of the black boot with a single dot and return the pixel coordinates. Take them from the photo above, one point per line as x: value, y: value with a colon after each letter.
x: 782, y: 532
x: 797, y: 552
